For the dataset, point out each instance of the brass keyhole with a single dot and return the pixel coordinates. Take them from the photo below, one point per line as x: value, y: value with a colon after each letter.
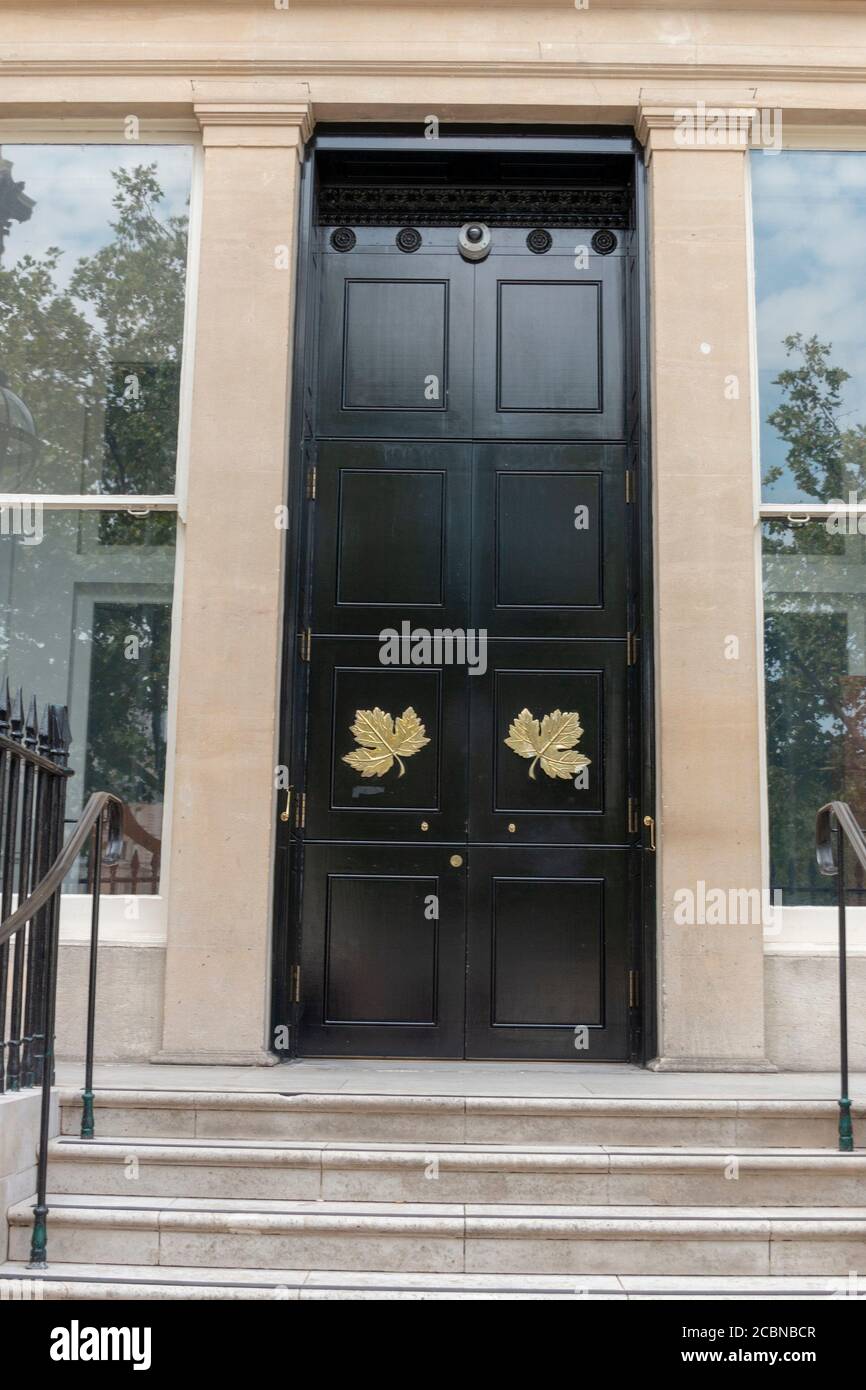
x: 512, y: 828
x: 425, y: 825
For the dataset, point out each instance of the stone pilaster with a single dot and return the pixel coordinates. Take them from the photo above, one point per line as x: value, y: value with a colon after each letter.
x: 231, y: 593
x: 707, y: 642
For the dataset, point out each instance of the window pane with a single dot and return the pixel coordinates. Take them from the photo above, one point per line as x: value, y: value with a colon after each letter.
x: 87, y: 623
x: 815, y: 663
x: 93, y: 243
x: 810, y: 276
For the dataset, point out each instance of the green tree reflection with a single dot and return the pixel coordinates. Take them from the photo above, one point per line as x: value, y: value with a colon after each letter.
x: 815, y: 624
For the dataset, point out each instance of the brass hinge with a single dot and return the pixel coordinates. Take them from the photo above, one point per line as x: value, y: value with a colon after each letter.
x: 296, y: 984
x: 633, y: 991
x: 632, y: 815
x: 311, y: 484
x: 629, y: 485
x: 301, y: 813
x: 631, y: 648
x: 306, y: 641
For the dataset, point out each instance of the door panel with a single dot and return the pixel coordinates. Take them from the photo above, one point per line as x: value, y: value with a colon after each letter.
x: 547, y: 953
x: 392, y: 532
x: 550, y: 540
x: 549, y: 348
x: 383, y: 956
x: 396, y: 357
x: 548, y: 757
x: 402, y: 792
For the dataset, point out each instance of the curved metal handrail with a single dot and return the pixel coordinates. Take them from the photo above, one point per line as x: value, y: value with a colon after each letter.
x: 841, y: 812
x: 837, y: 821
x: 48, y: 885
x: 135, y: 831
x: 46, y: 895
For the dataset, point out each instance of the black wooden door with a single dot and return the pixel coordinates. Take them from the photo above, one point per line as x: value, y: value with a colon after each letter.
x: 467, y: 825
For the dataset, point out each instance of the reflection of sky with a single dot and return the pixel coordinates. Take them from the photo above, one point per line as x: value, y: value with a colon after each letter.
x: 810, y: 271
x: 73, y: 188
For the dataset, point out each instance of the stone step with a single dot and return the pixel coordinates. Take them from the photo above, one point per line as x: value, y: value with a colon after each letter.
x: 448, y: 1238
x: 395, y: 1119
x: 587, y: 1176
x: 145, y: 1282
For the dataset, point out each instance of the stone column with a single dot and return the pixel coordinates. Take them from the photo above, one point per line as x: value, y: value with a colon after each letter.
x: 707, y: 642
x: 230, y: 598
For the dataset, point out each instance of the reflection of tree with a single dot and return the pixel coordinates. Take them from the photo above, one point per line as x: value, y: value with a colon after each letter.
x: 98, y: 362
x: 804, y: 652
x: 128, y: 698
x: 815, y: 583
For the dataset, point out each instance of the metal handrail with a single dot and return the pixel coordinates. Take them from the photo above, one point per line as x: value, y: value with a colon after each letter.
x: 29, y: 755
x: 839, y: 816
x: 53, y: 879
x: 99, y: 805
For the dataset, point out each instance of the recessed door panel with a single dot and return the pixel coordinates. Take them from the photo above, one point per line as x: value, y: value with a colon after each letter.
x: 396, y: 339
x: 548, y: 759
x: 392, y: 526
x: 547, y: 953
x: 566, y: 978
x: 386, y: 746
x: 396, y: 359
x: 551, y: 540
x: 383, y: 951
x: 528, y: 505
x: 549, y: 348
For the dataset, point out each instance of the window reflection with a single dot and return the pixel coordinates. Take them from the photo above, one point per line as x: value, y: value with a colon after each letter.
x: 815, y: 666
x: 809, y: 212
x: 88, y: 625
x: 92, y: 288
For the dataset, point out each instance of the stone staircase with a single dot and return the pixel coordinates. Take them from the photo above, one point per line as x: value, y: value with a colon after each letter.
x: 253, y: 1195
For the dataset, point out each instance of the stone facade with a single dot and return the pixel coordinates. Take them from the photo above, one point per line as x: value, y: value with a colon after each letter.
x: 247, y: 80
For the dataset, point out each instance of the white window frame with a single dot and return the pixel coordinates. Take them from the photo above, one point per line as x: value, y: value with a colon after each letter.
x: 807, y: 930
x: 142, y: 920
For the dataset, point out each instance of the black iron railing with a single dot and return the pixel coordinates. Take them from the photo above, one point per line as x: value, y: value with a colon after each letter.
x: 34, y: 861
x: 834, y: 825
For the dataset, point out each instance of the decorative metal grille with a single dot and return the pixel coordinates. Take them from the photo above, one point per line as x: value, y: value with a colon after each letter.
x: 452, y: 206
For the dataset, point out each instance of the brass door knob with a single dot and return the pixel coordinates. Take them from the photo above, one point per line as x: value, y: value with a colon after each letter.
x: 456, y: 861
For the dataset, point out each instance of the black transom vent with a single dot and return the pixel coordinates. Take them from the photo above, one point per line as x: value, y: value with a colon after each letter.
x: 366, y: 189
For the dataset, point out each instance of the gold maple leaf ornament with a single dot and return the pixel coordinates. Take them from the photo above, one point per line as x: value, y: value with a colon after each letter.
x: 384, y: 741
x: 550, y: 742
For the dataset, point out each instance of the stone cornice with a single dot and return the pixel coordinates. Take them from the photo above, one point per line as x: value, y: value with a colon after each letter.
x: 658, y: 123
x: 255, y: 123
x: 689, y: 68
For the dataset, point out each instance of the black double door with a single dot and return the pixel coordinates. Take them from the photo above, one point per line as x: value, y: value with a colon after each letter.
x: 467, y: 821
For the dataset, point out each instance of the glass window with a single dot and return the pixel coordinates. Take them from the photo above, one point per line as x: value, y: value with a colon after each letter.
x: 93, y: 249
x: 815, y: 671
x: 93, y: 245
x: 87, y: 623
x: 810, y: 278
x: 810, y: 272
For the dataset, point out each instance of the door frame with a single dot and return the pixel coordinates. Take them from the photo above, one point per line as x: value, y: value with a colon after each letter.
x: 288, y: 875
